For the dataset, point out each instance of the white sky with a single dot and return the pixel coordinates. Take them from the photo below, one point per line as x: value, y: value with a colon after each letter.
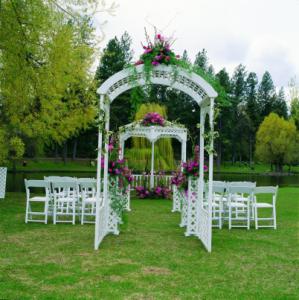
x: 261, y: 34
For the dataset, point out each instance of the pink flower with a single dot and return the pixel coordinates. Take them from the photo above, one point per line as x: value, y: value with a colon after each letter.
x: 139, y: 62
x: 177, y: 56
x: 148, y: 50
x: 155, y: 63
x: 167, y: 58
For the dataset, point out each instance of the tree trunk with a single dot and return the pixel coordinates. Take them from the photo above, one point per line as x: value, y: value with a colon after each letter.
x: 75, y: 149
x: 64, y: 152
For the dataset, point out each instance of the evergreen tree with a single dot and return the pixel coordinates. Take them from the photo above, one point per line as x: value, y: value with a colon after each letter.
x: 279, y: 105
x: 185, y: 57
x: 201, y: 60
x: 266, y: 92
x: 238, y: 83
x: 252, y: 111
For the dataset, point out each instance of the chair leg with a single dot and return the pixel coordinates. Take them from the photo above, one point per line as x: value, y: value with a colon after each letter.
x: 248, y: 217
x: 27, y: 211
x: 274, y: 217
x: 82, y: 212
x: 46, y: 212
x: 256, y: 218
x: 229, y: 217
x: 74, y: 212
x: 54, y: 212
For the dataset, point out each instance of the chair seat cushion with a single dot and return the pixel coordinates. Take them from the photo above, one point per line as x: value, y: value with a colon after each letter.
x: 39, y: 199
x: 262, y: 205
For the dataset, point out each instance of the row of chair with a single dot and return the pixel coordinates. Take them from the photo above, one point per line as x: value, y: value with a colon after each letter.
x: 239, y: 202
x: 63, y: 197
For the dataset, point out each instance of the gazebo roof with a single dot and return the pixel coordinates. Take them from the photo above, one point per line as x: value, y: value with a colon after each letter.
x: 154, y: 132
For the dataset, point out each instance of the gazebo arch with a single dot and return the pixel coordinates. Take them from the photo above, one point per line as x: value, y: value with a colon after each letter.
x: 152, y: 134
x: 201, y: 92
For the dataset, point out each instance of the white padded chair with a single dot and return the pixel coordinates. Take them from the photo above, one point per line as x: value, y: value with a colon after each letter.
x: 88, y: 198
x: 65, y: 200
x: 45, y: 199
x: 265, y: 190
x: 239, y: 201
x: 219, y: 189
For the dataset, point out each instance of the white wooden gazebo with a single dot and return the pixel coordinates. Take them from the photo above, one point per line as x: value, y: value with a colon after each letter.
x: 203, y: 94
x: 152, y: 134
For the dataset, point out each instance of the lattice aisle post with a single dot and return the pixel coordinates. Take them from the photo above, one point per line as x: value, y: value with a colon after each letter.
x: 99, y: 234
x: 3, y: 172
x: 176, y: 200
x: 192, y: 204
x: 211, y: 161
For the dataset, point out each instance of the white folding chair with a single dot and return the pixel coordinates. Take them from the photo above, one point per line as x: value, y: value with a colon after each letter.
x: 218, y: 188
x: 65, y: 200
x: 265, y: 190
x: 239, y: 199
x: 88, y: 196
x: 41, y: 184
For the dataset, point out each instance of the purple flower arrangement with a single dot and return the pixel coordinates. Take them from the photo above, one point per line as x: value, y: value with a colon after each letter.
x: 153, y: 118
x: 191, y: 167
x: 158, y: 52
x: 142, y: 192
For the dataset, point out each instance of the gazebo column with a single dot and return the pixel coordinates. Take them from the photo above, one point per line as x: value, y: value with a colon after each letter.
x: 122, y: 149
x: 152, y: 165
x: 183, y: 153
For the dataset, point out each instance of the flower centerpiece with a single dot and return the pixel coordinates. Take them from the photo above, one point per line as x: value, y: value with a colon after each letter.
x: 158, y: 52
x: 153, y: 118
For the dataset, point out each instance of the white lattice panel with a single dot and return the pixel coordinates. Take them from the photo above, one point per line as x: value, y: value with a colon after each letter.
x: 193, y: 203
x: 184, y: 211
x: 204, y: 228
x: 176, y: 199
x: 3, y: 172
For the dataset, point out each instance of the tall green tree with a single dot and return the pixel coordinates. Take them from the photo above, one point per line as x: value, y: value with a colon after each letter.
x: 277, y: 141
x: 279, y: 105
x: 238, y: 93
x: 266, y: 91
x: 201, y: 60
x: 46, y: 88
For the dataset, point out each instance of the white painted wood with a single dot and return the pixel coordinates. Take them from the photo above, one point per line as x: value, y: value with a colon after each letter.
x: 190, y: 83
x: 3, y: 172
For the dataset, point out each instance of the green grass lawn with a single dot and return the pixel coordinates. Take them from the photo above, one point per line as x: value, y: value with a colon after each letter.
x: 151, y: 259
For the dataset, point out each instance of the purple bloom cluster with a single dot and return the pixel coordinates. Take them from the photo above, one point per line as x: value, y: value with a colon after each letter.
x: 178, y: 178
x: 142, y: 192
x: 162, y: 192
x: 153, y: 118
x: 158, y: 52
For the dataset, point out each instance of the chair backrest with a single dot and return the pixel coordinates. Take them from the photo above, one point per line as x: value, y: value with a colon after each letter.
x: 30, y: 183
x: 266, y: 190
x: 241, y: 183
x: 240, y: 190
x: 88, y: 188
x: 64, y: 185
x: 60, y: 178
x: 86, y: 180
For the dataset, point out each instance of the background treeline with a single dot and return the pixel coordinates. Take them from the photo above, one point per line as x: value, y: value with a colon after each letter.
x: 243, y: 103
x: 48, y: 101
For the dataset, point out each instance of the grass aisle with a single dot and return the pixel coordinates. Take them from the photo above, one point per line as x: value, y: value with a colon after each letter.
x: 151, y: 259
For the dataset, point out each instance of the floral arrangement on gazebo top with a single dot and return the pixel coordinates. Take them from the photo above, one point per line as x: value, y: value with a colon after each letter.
x: 153, y: 118
x: 158, y: 52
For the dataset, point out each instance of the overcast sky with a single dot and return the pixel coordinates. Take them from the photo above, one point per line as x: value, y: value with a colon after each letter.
x: 261, y: 34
